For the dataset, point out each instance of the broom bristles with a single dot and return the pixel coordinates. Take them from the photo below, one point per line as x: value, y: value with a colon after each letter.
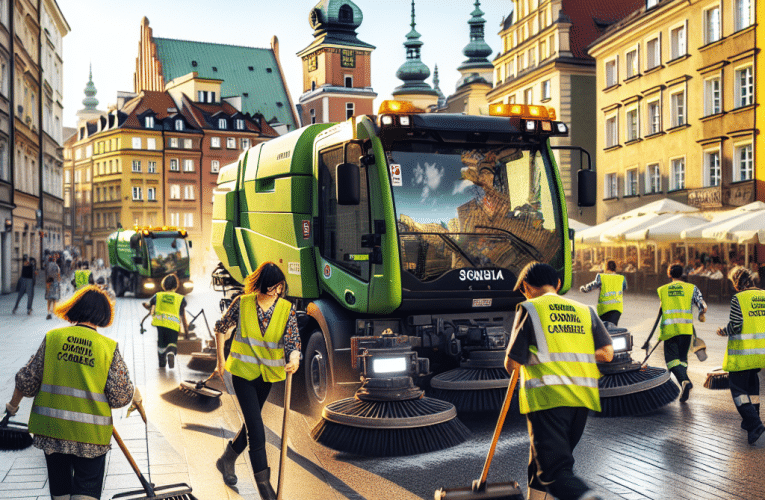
x: 717, y: 380
x: 14, y: 438
x: 471, y: 401
x: 639, y: 403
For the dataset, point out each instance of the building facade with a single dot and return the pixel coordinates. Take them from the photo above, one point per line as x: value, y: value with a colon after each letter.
x: 543, y: 60
x: 7, y: 233
x: 676, y: 106
x: 337, y: 70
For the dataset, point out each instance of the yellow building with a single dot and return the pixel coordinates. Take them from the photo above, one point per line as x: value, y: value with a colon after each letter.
x: 676, y: 106
x: 759, y: 117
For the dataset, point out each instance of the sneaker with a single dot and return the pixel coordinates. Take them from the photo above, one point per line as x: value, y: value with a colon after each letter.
x: 29, y: 312
x: 755, y: 434
x: 686, y: 390
x: 171, y: 359
x: 162, y: 361
x: 49, y: 316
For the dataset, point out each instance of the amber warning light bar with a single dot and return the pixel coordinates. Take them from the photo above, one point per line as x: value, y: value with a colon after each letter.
x: 529, y: 118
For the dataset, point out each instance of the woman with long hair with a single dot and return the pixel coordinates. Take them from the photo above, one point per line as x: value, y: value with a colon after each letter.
x: 266, y: 346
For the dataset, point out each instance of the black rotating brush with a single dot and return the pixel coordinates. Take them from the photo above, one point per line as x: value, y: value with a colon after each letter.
x: 628, y: 388
x: 478, y: 385
x: 717, y: 379
x: 13, y: 435
x: 389, y: 416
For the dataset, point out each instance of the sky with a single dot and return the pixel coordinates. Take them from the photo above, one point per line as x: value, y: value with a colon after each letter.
x: 105, y: 33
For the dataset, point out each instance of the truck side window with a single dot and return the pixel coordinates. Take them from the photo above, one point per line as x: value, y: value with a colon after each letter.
x: 342, y: 226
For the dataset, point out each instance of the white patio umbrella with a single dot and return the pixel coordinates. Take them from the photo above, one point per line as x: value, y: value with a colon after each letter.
x: 663, y: 206
x: 591, y: 235
x: 743, y: 228
x: 696, y: 233
x: 577, y: 226
x: 666, y: 229
x: 617, y: 232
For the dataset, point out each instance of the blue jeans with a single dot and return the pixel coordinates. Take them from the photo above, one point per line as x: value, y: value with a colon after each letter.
x: 26, y: 286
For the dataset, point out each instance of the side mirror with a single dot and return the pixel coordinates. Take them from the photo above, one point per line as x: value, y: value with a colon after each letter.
x: 189, y: 243
x: 138, y: 260
x: 348, y: 184
x: 588, y: 188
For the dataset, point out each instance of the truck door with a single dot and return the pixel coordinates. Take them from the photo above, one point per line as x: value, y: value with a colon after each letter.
x: 343, y: 263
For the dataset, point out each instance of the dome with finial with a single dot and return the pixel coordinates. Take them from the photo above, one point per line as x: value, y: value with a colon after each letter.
x: 90, y: 102
x: 413, y: 72
x: 335, y: 21
x: 441, y: 96
x: 477, y: 51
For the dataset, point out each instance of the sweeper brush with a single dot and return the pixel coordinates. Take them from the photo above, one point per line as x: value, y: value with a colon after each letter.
x: 14, y: 435
x: 478, y: 385
x: 628, y: 388
x: 199, y: 389
x: 717, y: 379
x: 389, y: 415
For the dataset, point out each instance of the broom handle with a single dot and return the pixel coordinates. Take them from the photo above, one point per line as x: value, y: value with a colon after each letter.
x: 498, y: 429
x: 146, y: 486
x: 283, y: 458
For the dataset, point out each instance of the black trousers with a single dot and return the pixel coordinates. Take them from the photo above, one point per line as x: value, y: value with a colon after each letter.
x: 252, y: 395
x: 167, y: 341
x: 554, y: 434
x: 612, y: 316
x: 676, y: 355
x: 73, y: 475
x: 745, y: 390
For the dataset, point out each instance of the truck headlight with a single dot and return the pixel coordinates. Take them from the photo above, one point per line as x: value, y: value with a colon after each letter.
x: 149, y: 285
x: 388, y: 365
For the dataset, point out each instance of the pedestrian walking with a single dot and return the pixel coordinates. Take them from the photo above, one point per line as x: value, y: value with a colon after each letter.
x: 82, y: 276
x: 266, y: 346
x: 168, y: 311
x: 555, y: 343
x: 52, y: 284
x: 76, y: 377
x: 676, y: 326
x: 26, y: 284
x: 612, y: 287
x: 745, y: 353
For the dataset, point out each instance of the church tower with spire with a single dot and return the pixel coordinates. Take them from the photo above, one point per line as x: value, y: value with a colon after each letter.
x: 89, y: 112
x: 414, y: 73
x: 337, y: 76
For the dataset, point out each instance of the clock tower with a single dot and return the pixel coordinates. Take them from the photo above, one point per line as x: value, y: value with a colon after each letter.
x: 337, y: 77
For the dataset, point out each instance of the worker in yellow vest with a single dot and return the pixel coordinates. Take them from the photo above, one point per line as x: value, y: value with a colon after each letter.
x: 76, y: 377
x: 676, y: 324
x: 555, y: 344
x: 611, y: 299
x: 168, y: 311
x: 745, y: 353
x: 82, y: 276
x: 266, y: 346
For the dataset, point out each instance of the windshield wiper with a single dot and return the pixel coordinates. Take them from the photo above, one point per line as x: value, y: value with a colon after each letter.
x: 449, y: 242
x: 522, y: 244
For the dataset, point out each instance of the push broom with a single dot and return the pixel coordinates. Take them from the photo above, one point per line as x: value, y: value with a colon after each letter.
x: 480, y: 489
x: 13, y: 435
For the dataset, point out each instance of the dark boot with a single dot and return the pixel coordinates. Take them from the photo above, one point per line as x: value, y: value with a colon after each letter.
x: 750, y: 420
x: 226, y: 464
x: 263, y: 480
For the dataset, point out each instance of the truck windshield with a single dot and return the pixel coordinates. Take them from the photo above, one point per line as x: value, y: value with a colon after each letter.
x: 492, y: 207
x: 167, y: 255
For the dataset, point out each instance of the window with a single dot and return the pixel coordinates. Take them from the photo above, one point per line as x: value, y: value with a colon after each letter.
x: 175, y: 219
x: 632, y: 63
x: 188, y: 192
x: 652, y: 178
x: 151, y: 194
x: 151, y: 143
x: 631, y: 182
x: 611, y: 186
x: 528, y: 95
x: 677, y: 42
x: 136, y: 165
x: 348, y: 110
x: 175, y: 191
x: 231, y: 142
x: 348, y: 79
x: 546, y: 92
x: 632, y: 124
x: 743, y: 166
x: 148, y: 122
x: 653, y: 53
x: 712, y: 97
x: 532, y: 57
x: 677, y: 174
x: 215, y: 166
x: 611, y: 73
x: 612, y: 131
x: 744, y: 87
x: 222, y: 123
x: 543, y: 54
x: 711, y: 25
x: 239, y: 124
x: 188, y: 144
x: 214, y: 142
x: 677, y: 101
x: 173, y: 142
x: 245, y: 143
x: 654, y: 117
x: 188, y: 165
x: 742, y: 14
x: 178, y: 126
x: 136, y: 143
x: 712, y: 168
x: 174, y: 165
x: 152, y: 168
x: 312, y: 112
x: 188, y: 220
x: 137, y: 194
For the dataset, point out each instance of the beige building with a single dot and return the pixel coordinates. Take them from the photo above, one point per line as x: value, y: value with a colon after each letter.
x: 676, y: 106
x: 543, y: 60
x: 759, y: 119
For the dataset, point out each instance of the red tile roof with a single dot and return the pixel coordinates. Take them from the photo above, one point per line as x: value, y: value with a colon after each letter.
x: 591, y: 17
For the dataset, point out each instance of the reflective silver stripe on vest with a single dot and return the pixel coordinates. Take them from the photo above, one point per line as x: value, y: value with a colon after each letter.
x: 73, y: 416
x: 543, y: 351
x: 70, y: 391
x: 742, y: 400
x: 608, y: 294
x: 612, y: 301
x: 746, y: 352
x: 163, y: 316
x: 253, y: 342
x: 679, y: 311
x: 673, y: 321
x: 257, y: 361
x: 548, y: 380
x: 748, y: 336
x: 572, y: 357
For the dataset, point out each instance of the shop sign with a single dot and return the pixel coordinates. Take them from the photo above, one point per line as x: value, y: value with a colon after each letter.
x: 739, y: 194
x: 710, y: 197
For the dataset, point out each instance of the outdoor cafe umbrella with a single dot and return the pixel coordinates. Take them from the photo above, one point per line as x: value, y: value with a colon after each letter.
x: 697, y: 233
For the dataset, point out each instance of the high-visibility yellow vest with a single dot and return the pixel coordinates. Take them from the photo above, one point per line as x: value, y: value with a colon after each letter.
x: 71, y: 403
x: 81, y: 278
x: 167, y: 310
x: 561, y: 370
x: 611, y: 293
x: 676, y: 309
x: 747, y: 350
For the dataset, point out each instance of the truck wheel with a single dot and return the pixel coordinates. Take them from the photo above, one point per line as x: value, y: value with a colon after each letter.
x: 317, y: 373
x: 118, y: 283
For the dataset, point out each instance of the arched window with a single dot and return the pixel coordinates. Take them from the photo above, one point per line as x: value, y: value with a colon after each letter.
x: 345, y: 14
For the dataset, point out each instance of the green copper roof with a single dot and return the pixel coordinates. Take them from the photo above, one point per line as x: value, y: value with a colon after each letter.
x: 231, y: 63
x: 413, y: 72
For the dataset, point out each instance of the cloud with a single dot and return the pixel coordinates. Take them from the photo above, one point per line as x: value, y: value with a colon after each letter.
x: 431, y: 177
x: 461, y: 186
